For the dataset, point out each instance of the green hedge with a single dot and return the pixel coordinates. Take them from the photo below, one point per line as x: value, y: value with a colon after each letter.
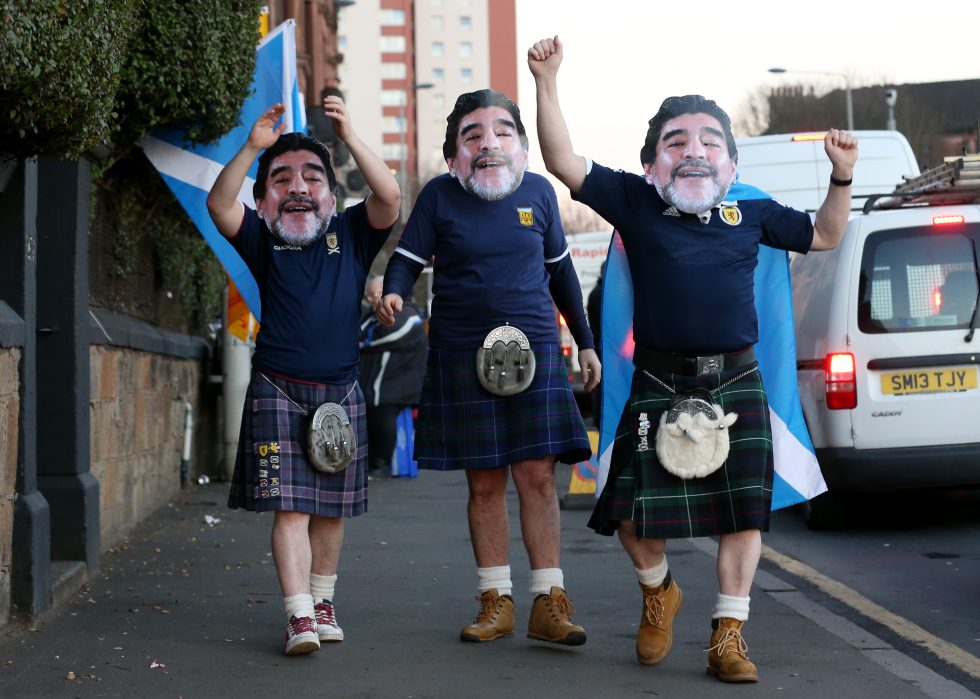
x: 61, y: 63
x: 190, y: 66
x: 75, y: 74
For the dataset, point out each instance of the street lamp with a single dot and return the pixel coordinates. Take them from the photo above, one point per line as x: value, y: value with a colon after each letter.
x: 403, y: 150
x: 847, y: 88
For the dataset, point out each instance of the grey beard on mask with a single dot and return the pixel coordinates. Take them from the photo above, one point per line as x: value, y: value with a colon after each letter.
x: 301, y: 239
x: 690, y: 205
x: 492, y: 192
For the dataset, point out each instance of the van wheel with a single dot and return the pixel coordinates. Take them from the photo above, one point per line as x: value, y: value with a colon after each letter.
x: 824, y: 512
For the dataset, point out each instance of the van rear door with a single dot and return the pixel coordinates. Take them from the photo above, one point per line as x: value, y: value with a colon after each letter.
x: 917, y: 284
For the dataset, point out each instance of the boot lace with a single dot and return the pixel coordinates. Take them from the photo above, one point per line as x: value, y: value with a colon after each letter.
x: 730, y: 641
x: 654, y: 607
x: 489, y: 606
x: 560, y: 606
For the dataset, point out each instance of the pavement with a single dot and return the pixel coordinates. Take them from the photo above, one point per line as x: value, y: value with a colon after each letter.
x: 189, y: 607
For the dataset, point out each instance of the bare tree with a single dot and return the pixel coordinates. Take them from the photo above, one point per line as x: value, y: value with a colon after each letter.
x: 578, y: 218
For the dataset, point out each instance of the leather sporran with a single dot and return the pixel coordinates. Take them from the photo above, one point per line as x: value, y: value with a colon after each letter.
x: 505, y: 363
x: 692, y: 439
x: 330, y: 441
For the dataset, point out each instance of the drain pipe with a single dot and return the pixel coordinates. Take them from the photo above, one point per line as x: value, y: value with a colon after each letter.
x: 185, y: 459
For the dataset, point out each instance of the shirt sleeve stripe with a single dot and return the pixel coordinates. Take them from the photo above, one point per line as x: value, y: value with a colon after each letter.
x: 555, y: 259
x: 410, y: 256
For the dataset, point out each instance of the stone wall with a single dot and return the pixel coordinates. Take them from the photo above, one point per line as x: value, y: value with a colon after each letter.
x: 9, y: 435
x: 137, y: 404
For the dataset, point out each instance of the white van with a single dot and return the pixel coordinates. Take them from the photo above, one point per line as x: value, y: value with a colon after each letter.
x: 888, y: 358
x: 588, y: 253
x: 794, y: 170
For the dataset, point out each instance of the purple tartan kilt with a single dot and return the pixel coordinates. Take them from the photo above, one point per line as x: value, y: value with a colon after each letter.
x: 271, y: 469
x: 462, y: 425
x: 736, y: 497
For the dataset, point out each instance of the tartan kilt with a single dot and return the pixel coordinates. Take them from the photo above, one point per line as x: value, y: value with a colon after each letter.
x: 736, y: 497
x: 462, y: 425
x: 272, y: 471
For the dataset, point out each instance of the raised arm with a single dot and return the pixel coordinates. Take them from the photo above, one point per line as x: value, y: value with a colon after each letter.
x: 560, y: 159
x: 385, y: 199
x: 223, y: 205
x: 831, y: 219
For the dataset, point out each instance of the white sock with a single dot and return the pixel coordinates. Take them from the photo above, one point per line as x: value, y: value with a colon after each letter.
x: 653, y: 577
x: 731, y: 607
x: 543, y: 579
x: 322, y: 587
x: 298, y: 606
x: 495, y: 577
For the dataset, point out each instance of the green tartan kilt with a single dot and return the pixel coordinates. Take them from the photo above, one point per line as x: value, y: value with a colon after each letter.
x: 736, y: 497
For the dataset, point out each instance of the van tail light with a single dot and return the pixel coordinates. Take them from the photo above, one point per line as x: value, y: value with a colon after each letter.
x: 564, y: 337
x: 841, y: 381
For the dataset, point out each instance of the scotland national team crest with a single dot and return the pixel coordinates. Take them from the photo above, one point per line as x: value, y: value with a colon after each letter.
x: 731, y: 215
x: 526, y: 216
x: 332, y: 244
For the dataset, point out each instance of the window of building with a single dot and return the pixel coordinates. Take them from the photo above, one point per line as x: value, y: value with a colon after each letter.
x: 392, y: 98
x: 393, y: 71
x: 438, y: 75
x: 466, y: 75
x: 392, y: 18
x: 393, y: 44
x: 436, y: 23
x: 465, y: 22
x: 465, y: 49
x: 393, y: 151
x: 393, y: 124
x: 438, y: 49
x: 439, y: 101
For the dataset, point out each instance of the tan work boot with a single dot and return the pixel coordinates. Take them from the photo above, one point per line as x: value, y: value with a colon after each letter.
x: 495, y: 620
x: 726, y: 652
x: 551, y: 619
x: 656, y: 633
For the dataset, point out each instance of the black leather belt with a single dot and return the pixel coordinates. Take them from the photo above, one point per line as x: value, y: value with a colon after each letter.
x: 690, y: 365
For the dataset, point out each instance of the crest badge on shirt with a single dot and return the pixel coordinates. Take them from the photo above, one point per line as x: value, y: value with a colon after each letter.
x: 526, y: 216
x: 731, y: 215
x: 332, y: 245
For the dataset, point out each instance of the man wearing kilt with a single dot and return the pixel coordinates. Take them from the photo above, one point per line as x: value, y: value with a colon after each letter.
x: 310, y: 264
x: 692, y: 256
x: 500, y: 259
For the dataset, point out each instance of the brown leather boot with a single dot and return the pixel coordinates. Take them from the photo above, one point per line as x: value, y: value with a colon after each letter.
x: 656, y: 633
x: 726, y: 652
x: 495, y: 619
x: 551, y: 619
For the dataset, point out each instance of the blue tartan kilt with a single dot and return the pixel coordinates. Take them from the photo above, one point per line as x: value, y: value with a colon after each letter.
x: 736, y: 497
x: 462, y: 425
x: 272, y: 471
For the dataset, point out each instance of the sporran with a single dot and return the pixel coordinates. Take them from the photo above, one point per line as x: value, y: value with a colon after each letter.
x: 330, y: 442
x: 692, y: 438
x: 505, y: 363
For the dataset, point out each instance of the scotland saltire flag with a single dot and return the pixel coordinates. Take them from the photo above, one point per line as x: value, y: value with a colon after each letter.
x: 798, y: 476
x: 190, y: 170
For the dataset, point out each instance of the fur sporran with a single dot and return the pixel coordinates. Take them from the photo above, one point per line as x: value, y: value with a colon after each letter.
x: 692, y: 439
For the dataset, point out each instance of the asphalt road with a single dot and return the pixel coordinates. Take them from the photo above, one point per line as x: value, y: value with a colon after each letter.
x: 188, y: 609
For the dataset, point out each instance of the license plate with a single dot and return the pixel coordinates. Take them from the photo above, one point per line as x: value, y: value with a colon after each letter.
x: 900, y: 383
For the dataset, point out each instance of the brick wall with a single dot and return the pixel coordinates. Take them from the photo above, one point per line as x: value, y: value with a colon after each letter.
x: 137, y: 405
x: 9, y: 432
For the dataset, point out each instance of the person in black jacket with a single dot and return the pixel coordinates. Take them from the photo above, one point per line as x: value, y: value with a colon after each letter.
x: 391, y: 372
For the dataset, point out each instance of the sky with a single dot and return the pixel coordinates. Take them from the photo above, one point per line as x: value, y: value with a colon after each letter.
x: 623, y: 57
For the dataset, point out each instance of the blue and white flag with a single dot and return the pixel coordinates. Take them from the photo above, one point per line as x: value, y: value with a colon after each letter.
x: 190, y: 170
x: 798, y: 476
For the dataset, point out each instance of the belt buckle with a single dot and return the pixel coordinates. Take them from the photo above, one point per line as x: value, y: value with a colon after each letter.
x: 711, y: 364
